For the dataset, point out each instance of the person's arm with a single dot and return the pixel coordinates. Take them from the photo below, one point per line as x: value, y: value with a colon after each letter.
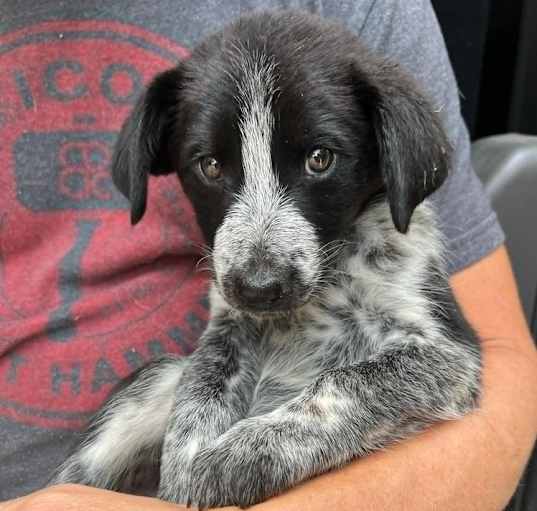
x: 74, y: 497
x: 470, y: 464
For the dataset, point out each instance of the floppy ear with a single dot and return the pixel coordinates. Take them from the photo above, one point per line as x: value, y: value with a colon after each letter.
x: 413, y: 148
x: 142, y: 146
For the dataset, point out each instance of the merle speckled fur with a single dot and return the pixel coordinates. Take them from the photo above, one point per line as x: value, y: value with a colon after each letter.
x: 333, y: 328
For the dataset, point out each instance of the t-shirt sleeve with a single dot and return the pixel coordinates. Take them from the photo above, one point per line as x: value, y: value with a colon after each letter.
x: 407, y: 32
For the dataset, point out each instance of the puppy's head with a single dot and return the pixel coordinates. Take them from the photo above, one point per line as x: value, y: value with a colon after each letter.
x: 281, y: 129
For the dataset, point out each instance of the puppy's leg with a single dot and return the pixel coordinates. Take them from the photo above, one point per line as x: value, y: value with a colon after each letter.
x: 345, y: 413
x: 127, y: 432
x: 219, y: 382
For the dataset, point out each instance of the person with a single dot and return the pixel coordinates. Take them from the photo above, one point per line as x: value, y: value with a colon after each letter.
x: 85, y: 299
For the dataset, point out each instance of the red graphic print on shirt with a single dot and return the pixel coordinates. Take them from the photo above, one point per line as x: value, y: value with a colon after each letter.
x: 84, y: 297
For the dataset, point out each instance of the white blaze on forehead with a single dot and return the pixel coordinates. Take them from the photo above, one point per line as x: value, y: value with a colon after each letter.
x: 256, y: 90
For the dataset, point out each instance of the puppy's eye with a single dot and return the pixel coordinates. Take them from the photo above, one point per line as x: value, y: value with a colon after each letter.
x: 210, y: 168
x: 319, y: 160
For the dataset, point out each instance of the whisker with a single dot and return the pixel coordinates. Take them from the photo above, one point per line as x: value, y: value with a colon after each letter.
x: 207, y: 258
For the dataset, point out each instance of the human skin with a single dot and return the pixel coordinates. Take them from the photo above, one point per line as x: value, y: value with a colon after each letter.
x: 470, y: 464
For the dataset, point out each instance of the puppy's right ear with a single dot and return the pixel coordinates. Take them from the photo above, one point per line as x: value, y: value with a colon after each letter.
x: 142, y: 147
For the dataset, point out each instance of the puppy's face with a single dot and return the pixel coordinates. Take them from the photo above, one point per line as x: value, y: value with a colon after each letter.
x: 281, y: 128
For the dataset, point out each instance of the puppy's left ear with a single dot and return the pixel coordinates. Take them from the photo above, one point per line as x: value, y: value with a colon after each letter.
x: 142, y: 147
x: 413, y: 148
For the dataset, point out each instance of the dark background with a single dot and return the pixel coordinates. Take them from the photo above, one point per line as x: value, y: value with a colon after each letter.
x: 493, y: 47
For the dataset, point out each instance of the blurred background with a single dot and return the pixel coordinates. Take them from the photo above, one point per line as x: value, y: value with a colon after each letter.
x: 493, y: 46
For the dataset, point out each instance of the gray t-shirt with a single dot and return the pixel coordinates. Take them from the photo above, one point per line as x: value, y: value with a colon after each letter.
x: 84, y: 299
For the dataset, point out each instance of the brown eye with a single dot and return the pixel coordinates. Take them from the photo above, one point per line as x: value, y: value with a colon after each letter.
x: 210, y: 167
x: 319, y: 160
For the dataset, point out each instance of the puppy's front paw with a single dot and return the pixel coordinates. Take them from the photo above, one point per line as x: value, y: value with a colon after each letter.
x: 175, y: 468
x: 181, y: 444
x: 245, y: 466
x: 176, y: 489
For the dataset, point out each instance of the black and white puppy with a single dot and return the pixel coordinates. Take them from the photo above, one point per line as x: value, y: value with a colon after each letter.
x: 333, y: 330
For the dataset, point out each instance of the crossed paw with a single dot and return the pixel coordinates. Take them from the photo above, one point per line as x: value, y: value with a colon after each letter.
x: 244, y: 466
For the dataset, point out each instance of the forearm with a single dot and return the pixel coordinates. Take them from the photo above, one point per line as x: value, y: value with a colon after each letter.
x: 74, y: 497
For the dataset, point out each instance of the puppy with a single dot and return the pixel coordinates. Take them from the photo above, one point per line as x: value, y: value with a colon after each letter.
x: 333, y: 330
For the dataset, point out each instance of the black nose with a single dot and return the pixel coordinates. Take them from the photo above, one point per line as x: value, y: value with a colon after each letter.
x: 262, y: 290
